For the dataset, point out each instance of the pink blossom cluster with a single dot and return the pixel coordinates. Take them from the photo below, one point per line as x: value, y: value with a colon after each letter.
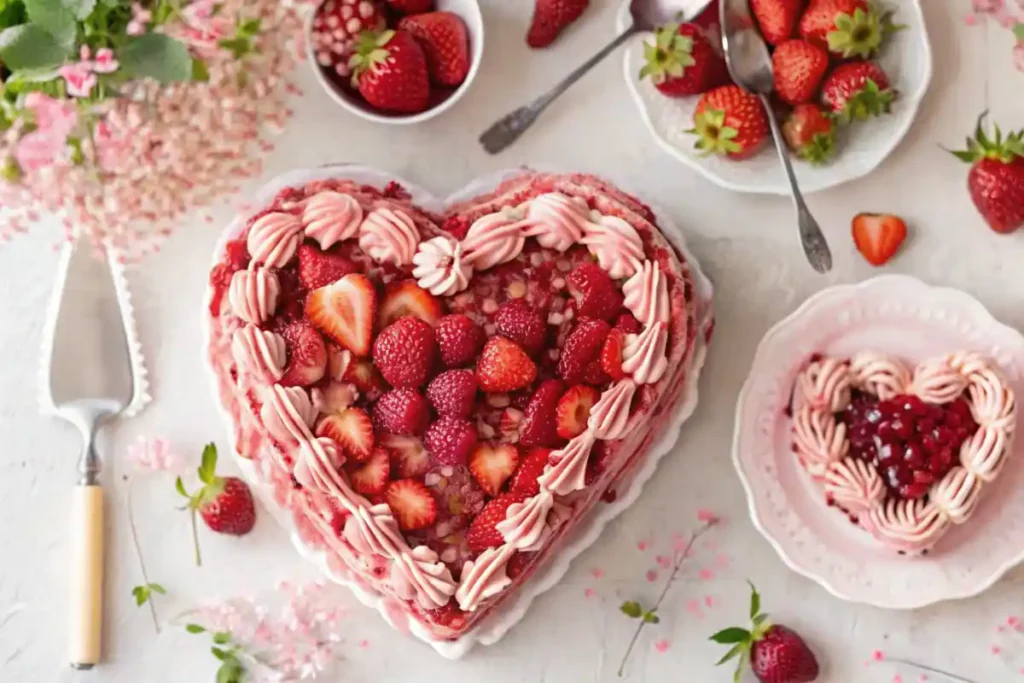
x: 293, y: 637
x: 1007, y: 13
x: 155, y: 455
x: 159, y: 153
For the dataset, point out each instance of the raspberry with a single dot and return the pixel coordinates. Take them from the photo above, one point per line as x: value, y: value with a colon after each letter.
x: 453, y: 393
x: 582, y: 347
x: 404, y: 352
x: 401, y: 411
x: 539, y: 425
x: 459, y: 338
x: 522, y: 324
x: 595, y: 292
x: 450, y: 441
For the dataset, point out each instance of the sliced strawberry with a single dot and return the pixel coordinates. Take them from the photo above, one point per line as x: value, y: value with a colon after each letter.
x: 404, y: 352
x: 504, y: 366
x: 492, y: 465
x: 352, y: 430
x: 508, y: 425
x: 409, y: 457
x: 483, y: 533
x: 453, y: 393
x: 538, y: 428
x: 372, y: 476
x: 582, y: 346
x: 318, y: 268
x: 366, y: 377
x: 459, y: 339
x: 401, y: 411
x: 338, y: 360
x: 532, y: 466
x: 878, y: 236
x: 574, y: 410
x: 595, y: 292
x: 523, y: 324
x: 344, y: 312
x: 407, y: 298
x: 337, y: 397
x: 611, y: 354
x: 450, y: 441
x: 307, y: 355
x: 412, y: 504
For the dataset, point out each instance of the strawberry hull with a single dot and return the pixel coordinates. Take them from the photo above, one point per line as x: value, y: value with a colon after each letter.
x: 538, y: 276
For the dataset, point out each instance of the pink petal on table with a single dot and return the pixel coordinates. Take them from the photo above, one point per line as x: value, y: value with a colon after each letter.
x: 709, y: 600
x: 877, y: 655
x: 693, y: 607
x: 662, y: 646
x: 706, y: 574
x: 364, y: 643
x: 971, y: 20
x: 641, y: 546
x: 995, y: 649
x: 897, y: 679
x: 597, y: 573
x: 922, y: 678
x: 664, y: 561
x: 1012, y: 622
x: 652, y: 575
x: 589, y: 593
x: 722, y: 560
x: 706, y: 516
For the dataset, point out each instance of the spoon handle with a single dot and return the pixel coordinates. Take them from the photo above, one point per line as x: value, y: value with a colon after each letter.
x: 507, y: 130
x: 813, y: 240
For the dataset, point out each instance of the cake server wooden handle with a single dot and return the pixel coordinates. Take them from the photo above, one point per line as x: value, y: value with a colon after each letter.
x: 86, y: 576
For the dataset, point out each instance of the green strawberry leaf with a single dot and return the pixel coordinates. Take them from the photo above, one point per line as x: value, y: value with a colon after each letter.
x: 733, y: 652
x: 230, y: 671
x: 631, y: 609
x: 219, y: 653
x: 157, y: 588
x: 208, y: 467
x: 222, y: 637
x: 179, y: 486
x: 732, y: 635
x: 194, y: 628
x: 141, y: 594
x: 755, y: 601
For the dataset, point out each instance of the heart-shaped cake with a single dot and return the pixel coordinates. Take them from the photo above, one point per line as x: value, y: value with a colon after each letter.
x: 905, y: 453
x: 440, y: 397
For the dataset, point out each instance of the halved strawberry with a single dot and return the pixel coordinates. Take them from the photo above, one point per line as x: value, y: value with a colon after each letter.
x: 318, y: 268
x: 372, y: 476
x: 336, y: 397
x: 492, y: 465
x: 483, y: 533
x: 352, y: 430
x: 508, y: 425
x: 538, y: 428
x: 611, y: 354
x: 412, y: 504
x: 595, y: 292
x: 574, y: 410
x: 532, y: 466
x: 344, y: 312
x: 504, y: 366
x: 409, y: 457
x: 338, y: 360
x: 878, y: 236
x: 307, y: 356
x: 407, y: 298
x: 366, y: 377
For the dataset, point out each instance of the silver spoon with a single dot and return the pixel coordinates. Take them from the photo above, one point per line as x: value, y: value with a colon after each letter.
x: 750, y: 66
x: 647, y: 15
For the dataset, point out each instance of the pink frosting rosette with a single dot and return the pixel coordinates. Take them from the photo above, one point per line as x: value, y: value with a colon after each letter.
x: 253, y: 294
x: 569, y: 469
x: 825, y: 384
x: 330, y: 217
x: 494, y: 239
x: 288, y: 413
x: 389, y: 236
x: 609, y: 416
x: 273, y: 239
x: 484, y: 577
x: 819, y: 439
x: 260, y: 353
x: 616, y: 245
x: 555, y: 220
x: 646, y: 295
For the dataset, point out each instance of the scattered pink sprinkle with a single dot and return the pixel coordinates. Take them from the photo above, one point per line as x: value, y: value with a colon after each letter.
x: 1012, y: 622
x: 1022, y: 670
x: 709, y: 601
x: 693, y: 607
x: 722, y: 561
x: 877, y: 655
x: 664, y: 561
x: 922, y: 678
x: 996, y: 649
x: 897, y: 679
x: 589, y: 593
x: 707, y: 516
x: 641, y: 546
x: 597, y: 573
x: 970, y: 20
x: 364, y: 643
x: 1001, y: 628
x: 652, y: 575
x: 711, y: 545
x: 155, y: 455
x: 706, y: 574
x: 662, y: 646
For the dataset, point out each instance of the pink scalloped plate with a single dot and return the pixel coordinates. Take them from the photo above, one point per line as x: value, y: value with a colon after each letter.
x: 898, y: 315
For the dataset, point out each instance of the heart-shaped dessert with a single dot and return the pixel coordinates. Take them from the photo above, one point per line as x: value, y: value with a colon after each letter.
x: 440, y: 398
x: 906, y: 454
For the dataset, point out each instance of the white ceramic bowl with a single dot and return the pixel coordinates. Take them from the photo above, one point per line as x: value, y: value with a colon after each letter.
x: 907, y: 59
x: 900, y: 315
x: 469, y: 10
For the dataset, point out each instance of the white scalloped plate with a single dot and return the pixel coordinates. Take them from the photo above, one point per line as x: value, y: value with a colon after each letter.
x: 498, y: 623
x: 903, y: 316
x: 907, y: 60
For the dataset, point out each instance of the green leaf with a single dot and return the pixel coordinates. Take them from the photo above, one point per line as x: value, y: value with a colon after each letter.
x: 735, y: 651
x: 731, y: 635
x: 179, y: 486
x: 141, y: 594
x: 222, y: 637
x: 651, y: 617
x: 80, y: 8
x: 200, y: 72
x: 30, y: 47
x: 631, y: 609
x: 12, y: 13
x: 55, y: 18
x: 755, y: 601
x: 1018, y: 31
x: 230, y: 671
x: 157, y: 588
x: 760, y: 619
x: 194, y: 628
x: 208, y: 465
x: 219, y: 653
x: 238, y: 47
x: 250, y: 27
x: 156, y: 56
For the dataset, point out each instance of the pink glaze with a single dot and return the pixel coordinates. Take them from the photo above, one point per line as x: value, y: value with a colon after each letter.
x: 330, y: 217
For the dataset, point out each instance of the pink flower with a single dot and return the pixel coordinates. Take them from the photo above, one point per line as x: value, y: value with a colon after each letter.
x: 79, y: 78
x: 105, y: 61
x: 113, y: 147
x: 54, y: 120
x: 140, y: 17
x: 156, y: 455
x: 53, y: 116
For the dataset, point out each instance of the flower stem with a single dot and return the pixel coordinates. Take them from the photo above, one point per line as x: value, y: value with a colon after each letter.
x: 138, y: 552
x: 195, y: 536
x: 682, y: 555
x: 922, y: 667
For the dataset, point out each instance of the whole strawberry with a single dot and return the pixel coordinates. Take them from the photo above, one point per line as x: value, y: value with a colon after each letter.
x: 856, y: 91
x: 776, y: 653
x: 682, y: 62
x: 846, y: 28
x: 411, y: 6
x: 777, y: 18
x: 551, y: 17
x: 390, y: 71
x: 996, y: 179
x: 810, y: 133
x: 798, y: 68
x: 335, y: 27
x: 445, y: 43
x: 730, y: 121
x: 224, y: 503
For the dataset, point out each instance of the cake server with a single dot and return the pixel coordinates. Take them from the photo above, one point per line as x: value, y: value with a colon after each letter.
x: 647, y: 15
x: 91, y: 374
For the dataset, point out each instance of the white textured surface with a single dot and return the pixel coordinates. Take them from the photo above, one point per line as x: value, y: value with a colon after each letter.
x: 903, y: 317
x: 747, y: 244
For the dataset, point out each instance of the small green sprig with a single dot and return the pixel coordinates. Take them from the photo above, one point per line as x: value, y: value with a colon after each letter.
x: 227, y: 652
x: 241, y: 44
x: 212, y: 486
x: 144, y: 593
x: 633, y: 610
